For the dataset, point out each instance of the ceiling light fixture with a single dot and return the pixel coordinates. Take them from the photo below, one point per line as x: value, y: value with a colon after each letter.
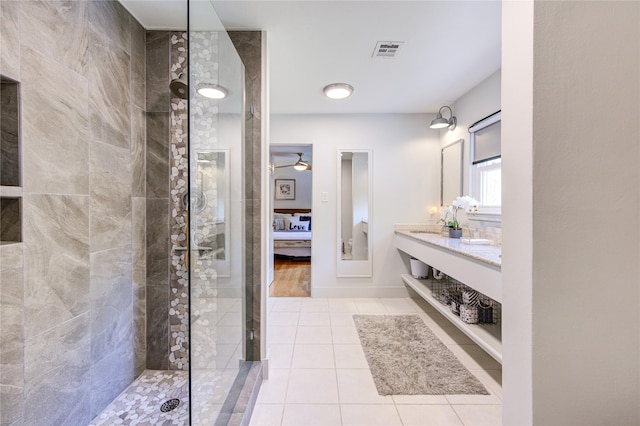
x: 441, y: 123
x: 338, y: 90
x: 299, y: 165
x: 212, y: 91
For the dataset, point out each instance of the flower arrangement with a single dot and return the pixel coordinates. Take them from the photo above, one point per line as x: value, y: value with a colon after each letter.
x: 449, y: 214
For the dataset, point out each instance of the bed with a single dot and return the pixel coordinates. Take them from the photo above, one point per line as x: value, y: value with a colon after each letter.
x: 292, y: 233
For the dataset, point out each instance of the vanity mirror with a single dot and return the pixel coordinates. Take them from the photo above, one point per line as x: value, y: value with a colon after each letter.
x: 451, y: 157
x: 354, y: 213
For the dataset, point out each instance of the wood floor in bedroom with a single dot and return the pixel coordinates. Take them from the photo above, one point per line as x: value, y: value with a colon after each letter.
x: 291, y: 278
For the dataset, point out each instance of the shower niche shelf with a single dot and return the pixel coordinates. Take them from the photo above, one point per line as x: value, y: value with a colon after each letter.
x: 10, y: 170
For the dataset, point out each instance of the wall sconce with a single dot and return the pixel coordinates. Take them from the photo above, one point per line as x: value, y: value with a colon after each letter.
x: 441, y: 123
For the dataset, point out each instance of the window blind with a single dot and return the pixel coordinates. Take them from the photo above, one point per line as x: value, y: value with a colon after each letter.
x: 486, y: 139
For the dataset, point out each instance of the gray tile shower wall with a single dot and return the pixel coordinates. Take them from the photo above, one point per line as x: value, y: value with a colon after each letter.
x: 11, y: 333
x: 157, y: 198
x: 9, y: 40
x: 72, y: 320
x: 55, y: 125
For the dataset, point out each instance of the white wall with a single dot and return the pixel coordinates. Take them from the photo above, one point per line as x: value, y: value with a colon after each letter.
x: 571, y: 350
x: 303, y: 188
x: 406, y: 167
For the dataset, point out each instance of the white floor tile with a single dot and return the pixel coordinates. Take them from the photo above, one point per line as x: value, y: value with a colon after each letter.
x: 361, y: 415
x: 274, y: 390
x: 473, y: 399
x: 314, y: 318
x: 371, y: 306
x: 480, y: 415
x: 287, y: 304
x: 420, y: 399
x: 356, y: 386
x: 312, y: 387
x: 350, y: 356
x: 345, y: 335
x: 319, y: 374
x: 282, y: 334
x: 267, y: 415
x: 400, y: 306
x: 313, y: 356
x: 343, y: 306
x: 309, y: 415
x: 314, y: 305
x: 428, y: 415
x: 314, y: 335
x: 283, y: 318
x: 342, y: 318
x: 281, y: 356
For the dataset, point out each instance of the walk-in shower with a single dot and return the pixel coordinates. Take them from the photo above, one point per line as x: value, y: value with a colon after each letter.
x: 201, y: 329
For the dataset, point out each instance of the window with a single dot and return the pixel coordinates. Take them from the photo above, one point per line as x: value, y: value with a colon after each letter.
x: 486, y: 163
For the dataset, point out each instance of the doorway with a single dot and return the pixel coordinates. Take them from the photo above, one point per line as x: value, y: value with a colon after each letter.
x: 292, y: 219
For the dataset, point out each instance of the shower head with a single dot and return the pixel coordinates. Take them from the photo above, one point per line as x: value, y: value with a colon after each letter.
x: 179, y: 86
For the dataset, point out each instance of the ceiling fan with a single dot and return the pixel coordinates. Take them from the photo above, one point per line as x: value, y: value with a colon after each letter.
x: 298, y: 165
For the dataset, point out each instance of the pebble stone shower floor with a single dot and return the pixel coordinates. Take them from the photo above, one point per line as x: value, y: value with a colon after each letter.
x: 140, y: 403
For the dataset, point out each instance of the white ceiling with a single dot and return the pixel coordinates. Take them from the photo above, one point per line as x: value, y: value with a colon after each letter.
x: 449, y: 47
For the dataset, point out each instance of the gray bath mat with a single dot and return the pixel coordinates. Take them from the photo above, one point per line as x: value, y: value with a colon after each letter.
x: 406, y: 358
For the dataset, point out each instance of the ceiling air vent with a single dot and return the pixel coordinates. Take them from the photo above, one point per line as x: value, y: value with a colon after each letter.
x: 387, y: 49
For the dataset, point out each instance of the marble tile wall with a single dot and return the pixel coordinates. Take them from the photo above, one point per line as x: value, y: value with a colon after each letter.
x: 81, y: 296
x: 158, y: 109
x: 11, y: 333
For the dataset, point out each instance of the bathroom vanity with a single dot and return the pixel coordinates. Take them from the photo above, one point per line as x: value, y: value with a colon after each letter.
x: 477, y: 266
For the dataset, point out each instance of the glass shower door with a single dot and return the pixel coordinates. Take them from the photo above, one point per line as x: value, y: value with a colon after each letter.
x: 216, y: 213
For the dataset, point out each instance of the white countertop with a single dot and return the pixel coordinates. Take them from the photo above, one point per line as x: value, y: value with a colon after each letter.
x: 489, y: 254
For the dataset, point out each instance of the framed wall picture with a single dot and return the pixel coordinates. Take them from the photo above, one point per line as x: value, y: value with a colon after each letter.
x: 285, y: 189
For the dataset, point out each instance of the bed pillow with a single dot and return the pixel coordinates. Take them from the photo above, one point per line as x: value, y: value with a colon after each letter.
x: 295, y: 224
x: 279, y: 224
x: 306, y: 218
x: 281, y: 221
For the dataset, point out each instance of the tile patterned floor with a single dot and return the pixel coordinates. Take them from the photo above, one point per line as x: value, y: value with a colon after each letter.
x: 319, y: 375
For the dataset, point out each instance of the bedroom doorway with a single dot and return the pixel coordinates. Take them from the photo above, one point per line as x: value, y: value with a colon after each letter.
x: 292, y: 220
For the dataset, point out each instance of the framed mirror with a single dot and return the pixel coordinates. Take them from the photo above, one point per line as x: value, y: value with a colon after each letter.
x: 355, y: 189
x: 451, y: 158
